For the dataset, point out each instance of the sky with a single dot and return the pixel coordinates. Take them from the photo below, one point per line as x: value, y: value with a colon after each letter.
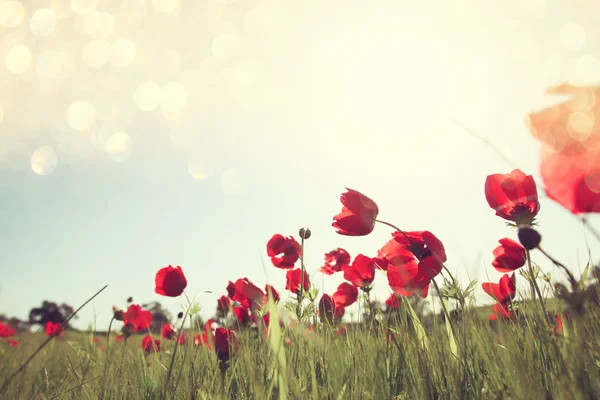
x: 140, y: 134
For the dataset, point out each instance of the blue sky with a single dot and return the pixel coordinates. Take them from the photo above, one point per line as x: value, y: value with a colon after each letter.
x: 284, y: 106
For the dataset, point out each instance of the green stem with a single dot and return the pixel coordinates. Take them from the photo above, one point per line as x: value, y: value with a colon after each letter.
x: 177, y: 344
x: 106, y: 360
x: 535, y: 287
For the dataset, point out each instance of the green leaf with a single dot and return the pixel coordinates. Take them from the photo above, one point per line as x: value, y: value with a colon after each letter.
x: 421, y: 336
x: 453, y: 347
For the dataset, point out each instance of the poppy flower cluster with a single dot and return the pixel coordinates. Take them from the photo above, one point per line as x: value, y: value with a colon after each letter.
x: 7, y: 332
x: 514, y: 197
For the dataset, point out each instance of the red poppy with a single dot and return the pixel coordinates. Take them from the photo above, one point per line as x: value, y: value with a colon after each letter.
x: 170, y: 281
x: 168, y: 331
x: 358, y: 214
x: 242, y: 314
x: 361, y: 273
x: 509, y: 256
x: 296, y: 280
x: 119, y: 338
x: 225, y: 343
x: 149, y: 345
x: 326, y: 308
x: 6, y: 330
x: 345, y: 295
x: 559, y: 326
x: 284, y: 252
x: 413, y: 262
x: 223, y: 305
x: 504, y: 291
x: 53, y: 328
x: 274, y: 293
x: 134, y: 319
x: 12, y: 343
x: 230, y: 290
x: 183, y: 339
x: 248, y: 294
x: 514, y: 196
x: 393, y: 302
x: 118, y: 313
x: 572, y: 178
x: 198, y: 341
x: 335, y: 261
x: 570, y: 125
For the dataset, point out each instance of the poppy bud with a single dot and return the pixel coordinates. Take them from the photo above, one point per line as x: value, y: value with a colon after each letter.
x: 118, y: 313
x: 130, y: 299
x: 180, y: 315
x: 529, y: 238
x: 304, y: 233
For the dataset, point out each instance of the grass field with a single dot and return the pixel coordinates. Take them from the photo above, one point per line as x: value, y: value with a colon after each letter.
x: 522, y: 359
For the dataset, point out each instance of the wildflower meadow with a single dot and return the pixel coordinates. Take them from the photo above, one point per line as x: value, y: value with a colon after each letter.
x: 540, y: 343
x: 290, y: 177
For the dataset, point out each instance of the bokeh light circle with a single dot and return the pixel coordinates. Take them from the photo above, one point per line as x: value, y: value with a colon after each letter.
x: 174, y: 97
x: 11, y: 14
x: 44, y: 160
x: 81, y: 116
x: 147, y: 96
x: 18, y: 59
x: 123, y: 53
x: 119, y: 146
x: 43, y: 22
x: 97, y: 53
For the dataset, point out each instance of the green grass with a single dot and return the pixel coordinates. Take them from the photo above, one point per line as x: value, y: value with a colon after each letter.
x: 513, y: 360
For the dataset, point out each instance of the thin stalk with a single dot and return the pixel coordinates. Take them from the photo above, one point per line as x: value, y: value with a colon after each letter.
x: 105, y: 381
x: 177, y: 345
x: 536, y: 287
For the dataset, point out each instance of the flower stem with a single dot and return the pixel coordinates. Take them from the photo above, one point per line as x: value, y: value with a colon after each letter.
x: 106, y: 359
x: 535, y: 288
x: 177, y: 343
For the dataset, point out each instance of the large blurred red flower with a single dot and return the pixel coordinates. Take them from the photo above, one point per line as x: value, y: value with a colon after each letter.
x: 413, y: 262
x: 242, y: 314
x: 572, y: 178
x: 53, y: 328
x: 168, y: 331
x: 570, y: 125
x: 345, y: 295
x: 136, y: 319
x: 393, y: 302
x: 6, y: 330
x: 149, y: 345
x: 514, y: 196
x: 358, y: 214
x: 248, y: 294
x: 294, y: 281
x: 361, y: 273
x: 225, y: 343
x: 273, y: 291
x: 509, y: 256
x: 170, y: 281
x: 335, y: 261
x: 284, y: 252
x: 223, y: 305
